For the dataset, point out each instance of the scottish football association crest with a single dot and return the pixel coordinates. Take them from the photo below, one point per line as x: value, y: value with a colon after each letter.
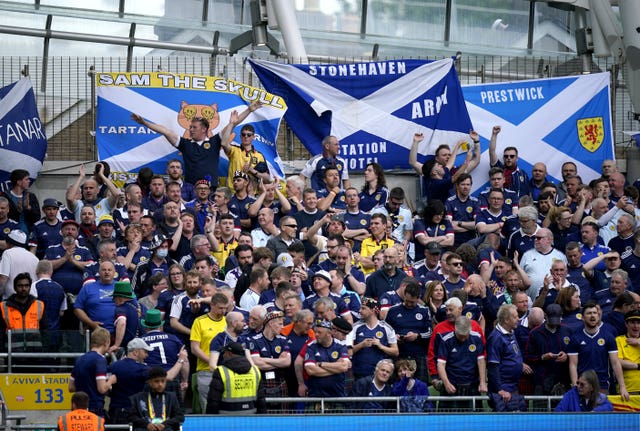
x: 591, y: 133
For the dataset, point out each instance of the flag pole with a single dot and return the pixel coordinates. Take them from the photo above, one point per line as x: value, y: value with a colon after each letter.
x: 92, y: 76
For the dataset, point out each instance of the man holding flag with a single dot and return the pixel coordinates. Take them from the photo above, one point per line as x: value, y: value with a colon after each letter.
x: 201, y: 154
x: 245, y: 158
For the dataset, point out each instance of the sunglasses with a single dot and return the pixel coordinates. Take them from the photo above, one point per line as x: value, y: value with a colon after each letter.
x: 292, y: 225
x: 456, y: 263
x: 246, y: 135
x: 510, y: 156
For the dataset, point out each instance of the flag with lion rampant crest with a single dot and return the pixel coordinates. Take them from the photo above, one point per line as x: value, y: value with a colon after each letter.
x: 552, y: 121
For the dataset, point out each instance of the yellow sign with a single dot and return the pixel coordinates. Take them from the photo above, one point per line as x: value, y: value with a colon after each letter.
x: 36, y: 391
x: 591, y: 133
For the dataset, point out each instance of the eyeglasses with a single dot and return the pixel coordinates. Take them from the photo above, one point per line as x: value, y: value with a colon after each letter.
x: 456, y: 263
x: 246, y: 135
x: 510, y: 156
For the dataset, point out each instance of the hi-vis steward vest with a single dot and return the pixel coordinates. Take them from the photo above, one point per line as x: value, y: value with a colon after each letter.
x: 25, y: 332
x: 80, y: 420
x: 240, y: 390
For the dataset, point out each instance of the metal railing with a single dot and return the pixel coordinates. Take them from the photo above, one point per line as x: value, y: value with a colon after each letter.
x: 50, y: 426
x: 57, y: 348
x: 439, y: 404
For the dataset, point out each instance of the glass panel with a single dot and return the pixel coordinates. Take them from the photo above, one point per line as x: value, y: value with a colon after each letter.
x: 422, y: 20
x: 554, y: 29
x: 500, y: 23
x: 90, y: 26
x: 14, y: 45
x: 329, y: 15
x: 145, y: 7
x: 188, y: 10
x: 62, y: 48
x: 225, y: 11
x: 18, y: 19
x: 107, y: 5
x: 21, y: 45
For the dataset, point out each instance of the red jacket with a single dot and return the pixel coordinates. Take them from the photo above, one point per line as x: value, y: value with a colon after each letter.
x: 443, y: 328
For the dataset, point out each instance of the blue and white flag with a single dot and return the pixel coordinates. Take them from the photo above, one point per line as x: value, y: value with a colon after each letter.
x: 172, y: 100
x: 372, y: 108
x: 23, y: 143
x: 548, y: 120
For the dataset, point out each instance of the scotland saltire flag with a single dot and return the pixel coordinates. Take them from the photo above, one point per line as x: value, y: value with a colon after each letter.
x: 23, y: 143
x: 172, y: 100
x: 548, y: 120
x: 373, y: 108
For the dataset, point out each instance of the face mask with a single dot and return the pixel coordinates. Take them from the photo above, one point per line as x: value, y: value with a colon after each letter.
x: 162, y: 252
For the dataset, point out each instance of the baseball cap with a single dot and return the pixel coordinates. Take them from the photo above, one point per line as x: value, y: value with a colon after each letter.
x: 235, y: 348
x: 589, y: 220
x: 70, y: 221
x: 554, y: 314
x: 338, y: 217
x: 273, y: 315
x: 632, y: 315
x: 240, y: 174
x: 202, y: 182
x: 138, y: 343
x: 433, y: 248
x: 322, y: 323
x: 341, y: 325
x: 50, y: 203
x: 285, y: 259
x: 370, y: 302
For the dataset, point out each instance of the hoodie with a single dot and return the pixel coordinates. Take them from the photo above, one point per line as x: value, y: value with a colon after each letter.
x: 239, y: 365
